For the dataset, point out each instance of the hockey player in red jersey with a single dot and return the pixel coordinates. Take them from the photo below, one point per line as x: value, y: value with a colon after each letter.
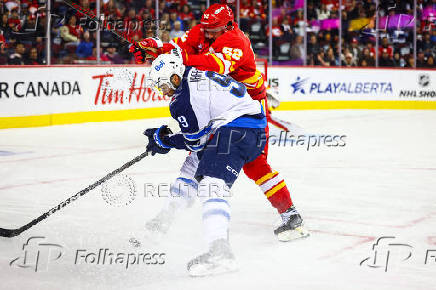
x: 217, y: 44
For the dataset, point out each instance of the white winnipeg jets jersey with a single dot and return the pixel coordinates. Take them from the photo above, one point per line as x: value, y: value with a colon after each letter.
x: 207, y: 100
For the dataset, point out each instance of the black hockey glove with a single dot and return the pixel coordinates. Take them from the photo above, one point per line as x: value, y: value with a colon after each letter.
x: 155, y: 143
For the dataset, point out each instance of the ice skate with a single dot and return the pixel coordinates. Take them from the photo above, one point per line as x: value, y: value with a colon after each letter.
x: 160, y: 224
x: 218, y: 260
x: 291, y: 227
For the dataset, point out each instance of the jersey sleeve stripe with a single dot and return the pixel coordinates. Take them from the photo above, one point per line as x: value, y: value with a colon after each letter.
x: 197, y: 135
x: 219, y: 62
x: 253, y: 79
x: 227, y: 64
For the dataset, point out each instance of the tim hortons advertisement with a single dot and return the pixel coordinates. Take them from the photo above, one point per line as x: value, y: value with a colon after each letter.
x: 48, y: 90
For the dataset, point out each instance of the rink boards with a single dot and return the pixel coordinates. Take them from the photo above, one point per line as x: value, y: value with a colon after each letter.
x: 52, y: 95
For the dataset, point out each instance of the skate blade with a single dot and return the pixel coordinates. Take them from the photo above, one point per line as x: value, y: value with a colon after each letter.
x: 211, y: 269
x: 297, y: 233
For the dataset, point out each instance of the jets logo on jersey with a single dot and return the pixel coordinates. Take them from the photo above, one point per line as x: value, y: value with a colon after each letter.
x: 159, y: 66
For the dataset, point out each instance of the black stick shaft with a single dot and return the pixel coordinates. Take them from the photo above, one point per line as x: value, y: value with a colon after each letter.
x: 14, y: 232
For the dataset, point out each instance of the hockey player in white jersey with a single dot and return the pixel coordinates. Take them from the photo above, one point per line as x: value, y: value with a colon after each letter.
x: 224, y: 128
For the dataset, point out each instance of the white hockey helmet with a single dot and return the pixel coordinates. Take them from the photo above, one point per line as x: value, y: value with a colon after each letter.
x: 163, y: 68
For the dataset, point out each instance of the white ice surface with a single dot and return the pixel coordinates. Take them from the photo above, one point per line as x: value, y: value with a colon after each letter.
x: 382, y: 183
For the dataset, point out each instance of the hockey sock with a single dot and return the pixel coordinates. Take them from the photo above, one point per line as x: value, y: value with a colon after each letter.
x: 182, y: 194
x: 275, y: 189
x: 216, y: 209
x: 270, y: 182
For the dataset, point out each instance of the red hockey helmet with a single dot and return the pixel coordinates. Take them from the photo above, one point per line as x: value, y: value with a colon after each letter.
x: 216, y: 17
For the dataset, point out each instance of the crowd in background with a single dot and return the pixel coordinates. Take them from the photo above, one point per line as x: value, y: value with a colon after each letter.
x: 73, y: 38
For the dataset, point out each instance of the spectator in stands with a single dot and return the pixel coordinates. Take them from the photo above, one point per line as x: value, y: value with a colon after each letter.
x: 33, y: 58
x: 3, y: 54
x: 149, y: 7
x: 4, y: 22
x: 2, y: 40
x: 345, y: 22
x: 165, y: 36
x: 17, y: 58
x: 186, y: 14
x: 367, y: 57
x: 354, y: 49
x: 320, y: 59
x: 12, y: 4
x: 398, y: 61
x: 410, y: 63
x: 257, y: 11
x: 313, y: 47
x: 420, y: 59
x: 112, y: 55
x: 93, y: 57
x: 312, y: 13
x: 385, y: 46
x: 349, y: 60
x: 14, y: 22
x: 165, y: 22
x: 276, y: 35
x: 426, y: 45
x: 298, y: 22
x: 323, y: 12
x: 363, y: 63
x: 330, y: 57
x: 177, y: 32
x: 371, y: 48
x: 86, y: 6
x: 163, y: 8
x: 198, y: 13
x: 72, y: 31
x: 385, y: 60
x: 192, y: 23
x: 430, y: 62
x: 297, y: 48
x: 84, y: 49
x: 173, y: 18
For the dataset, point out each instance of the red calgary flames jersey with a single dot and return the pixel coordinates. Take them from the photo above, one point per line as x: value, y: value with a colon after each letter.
x: 230, y: 53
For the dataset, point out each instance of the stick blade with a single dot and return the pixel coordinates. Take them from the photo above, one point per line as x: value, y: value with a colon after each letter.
x: 7, y: 233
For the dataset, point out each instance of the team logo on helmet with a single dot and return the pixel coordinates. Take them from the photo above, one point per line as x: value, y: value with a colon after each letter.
x: 219, y: 10
x: 159, y: 66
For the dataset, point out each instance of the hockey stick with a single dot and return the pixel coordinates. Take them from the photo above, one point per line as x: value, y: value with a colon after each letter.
x: 88, y: 13
x: 15, y: 232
